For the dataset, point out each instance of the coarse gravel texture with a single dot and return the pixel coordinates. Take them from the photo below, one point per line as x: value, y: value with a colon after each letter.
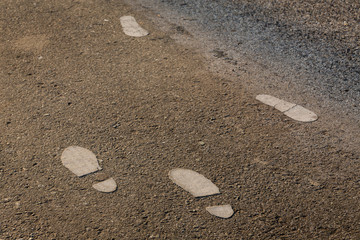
x: 70, y: 76
x: 320, y: 38
x: 265, y: 48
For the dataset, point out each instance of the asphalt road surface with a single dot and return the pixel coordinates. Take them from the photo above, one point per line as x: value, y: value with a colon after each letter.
x: 176, y: 98
x: 320, y: 39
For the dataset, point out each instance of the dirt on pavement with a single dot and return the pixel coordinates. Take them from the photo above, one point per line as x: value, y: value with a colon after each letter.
x: 70, y: 76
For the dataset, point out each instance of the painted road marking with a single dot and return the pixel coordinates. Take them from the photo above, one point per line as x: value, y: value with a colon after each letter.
x: 200, y: 186
x: 291, y: 110
x: 221, y: 211
x: 301, y: 114
x: 107, y: 186
x: 193, y: 182
x: 81, y: 162
x: 131, y: 27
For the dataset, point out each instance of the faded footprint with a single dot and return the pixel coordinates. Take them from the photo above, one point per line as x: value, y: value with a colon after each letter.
x: 200, y: 186
x: 291, y: 110
x: 82, y: 162
x: 32, y: 43
x: 131, y: 27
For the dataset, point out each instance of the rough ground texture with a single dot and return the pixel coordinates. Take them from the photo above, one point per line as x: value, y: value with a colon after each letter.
x: 145, y: 106
x: 294, y: 50
x: 318, y: 37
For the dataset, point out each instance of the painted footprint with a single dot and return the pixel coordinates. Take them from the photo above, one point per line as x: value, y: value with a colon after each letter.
x: 82, y: 162
x: 131, y: 27
x: 291, y: 110
x: 200, y: 186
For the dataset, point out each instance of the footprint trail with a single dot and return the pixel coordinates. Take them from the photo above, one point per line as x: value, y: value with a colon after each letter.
x: 82, y: 162
x: 200, y: 186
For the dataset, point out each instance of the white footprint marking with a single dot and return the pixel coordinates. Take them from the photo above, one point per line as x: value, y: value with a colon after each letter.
x: 291, y: 110
x: 193, y: 182
x: 81, y: 162
x: 131, y: 27
x: 200, y: 186
x: 107, y: 186
x: 222, y: 211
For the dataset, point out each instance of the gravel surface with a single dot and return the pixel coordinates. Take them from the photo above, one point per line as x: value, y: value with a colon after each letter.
x: 144, y: 106
x: 319, y: 38
x: 268, y: 49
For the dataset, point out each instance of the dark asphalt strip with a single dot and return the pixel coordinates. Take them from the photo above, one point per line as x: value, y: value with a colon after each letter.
x: 318, y: 39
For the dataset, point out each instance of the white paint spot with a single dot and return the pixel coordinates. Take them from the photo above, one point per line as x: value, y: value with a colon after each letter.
x: 107, y: 186
x: 131, y: 27
x: 221, y: 211
x: 291, y: 110
x: 283, y: 106
x: 80, y: 161
x: 193, y: 182
x: 268, y: 100
x: 301, y: 114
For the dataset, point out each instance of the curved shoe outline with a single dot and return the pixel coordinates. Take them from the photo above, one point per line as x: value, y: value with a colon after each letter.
x: 82, y: 162
x: 200, y: 186
x: 291, y: 110
x: 107, y: 186
x: 221, y: 211
x: 131, y: 27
